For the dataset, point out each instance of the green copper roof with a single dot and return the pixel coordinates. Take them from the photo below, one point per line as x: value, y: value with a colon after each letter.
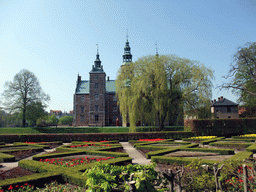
x: 83, y: 87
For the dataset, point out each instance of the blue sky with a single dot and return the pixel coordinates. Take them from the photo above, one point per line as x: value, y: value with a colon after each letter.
x: 56, y: 40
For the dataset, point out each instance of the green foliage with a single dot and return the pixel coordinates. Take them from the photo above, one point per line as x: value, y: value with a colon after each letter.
x: 104, y: 177
x: 231, y: 145
x: 222, y: 127
x: 160, y: 88
x: 66, y: 120
x: 53, y: 120
x: 202, y: 179
x: 34, y: 111
x: 243, y: 73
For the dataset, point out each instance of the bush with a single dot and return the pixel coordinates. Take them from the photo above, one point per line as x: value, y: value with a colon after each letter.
x: 66, y: 120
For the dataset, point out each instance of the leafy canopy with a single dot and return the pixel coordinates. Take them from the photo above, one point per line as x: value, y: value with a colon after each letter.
x: 156, y: 88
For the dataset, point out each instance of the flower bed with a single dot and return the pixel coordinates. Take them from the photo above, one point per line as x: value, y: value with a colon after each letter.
x: 74, y: 162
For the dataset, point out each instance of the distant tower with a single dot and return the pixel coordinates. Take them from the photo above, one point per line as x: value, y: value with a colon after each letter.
x: 156, y: 50
x: 127, y: 57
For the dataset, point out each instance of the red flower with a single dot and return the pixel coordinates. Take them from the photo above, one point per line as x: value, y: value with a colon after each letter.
x: 17, y: 186
x: 10, y: 188
x: 1, y: 190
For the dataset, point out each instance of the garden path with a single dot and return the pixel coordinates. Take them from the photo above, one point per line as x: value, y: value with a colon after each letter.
x: 137, y: 157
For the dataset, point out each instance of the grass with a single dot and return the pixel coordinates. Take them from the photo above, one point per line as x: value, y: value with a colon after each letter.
x: 43, y: 130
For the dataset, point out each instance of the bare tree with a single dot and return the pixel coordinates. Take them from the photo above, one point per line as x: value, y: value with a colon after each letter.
x: 24, y: 90
x: 242, y: 74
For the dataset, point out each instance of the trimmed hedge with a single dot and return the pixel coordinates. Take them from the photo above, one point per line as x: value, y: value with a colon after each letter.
x: 242, y: 138
x: 6, y: 157
x: 161, y: 152
x: 94, y: 136
x: 251, y: 148
x: 231, y: 145
x: 221, y: 127
x: 239, y: 140
x: 150, y: 147
x: 241, y: 156
x: 206, y: 142
x: 210, y: 150
x: 179, y: 160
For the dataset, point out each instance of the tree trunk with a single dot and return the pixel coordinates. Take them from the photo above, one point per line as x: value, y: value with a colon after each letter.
x: 24, y: 117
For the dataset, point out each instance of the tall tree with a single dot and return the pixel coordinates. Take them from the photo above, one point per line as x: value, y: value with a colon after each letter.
x: 23, y: 91
x: 160, y: 88
x: 242, y: 74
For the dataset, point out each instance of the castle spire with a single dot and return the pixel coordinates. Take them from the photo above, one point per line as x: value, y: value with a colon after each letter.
x: 127, y: 57
x: 156, y: 50
x: 97, y: 62
x: 97, y: 67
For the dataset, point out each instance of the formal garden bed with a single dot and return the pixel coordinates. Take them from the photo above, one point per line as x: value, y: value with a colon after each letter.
x: 68, y: 163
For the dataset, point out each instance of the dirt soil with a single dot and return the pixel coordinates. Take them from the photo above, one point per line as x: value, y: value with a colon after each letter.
x: 14, y: 173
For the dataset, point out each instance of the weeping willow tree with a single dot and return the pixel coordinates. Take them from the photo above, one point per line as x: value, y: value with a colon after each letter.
x: 158, y: 89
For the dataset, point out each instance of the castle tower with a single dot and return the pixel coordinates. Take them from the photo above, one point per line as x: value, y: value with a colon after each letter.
x: 97, y: 93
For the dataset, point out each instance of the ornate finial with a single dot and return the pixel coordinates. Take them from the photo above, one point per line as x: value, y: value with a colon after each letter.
x: 156, y: 49
x: 97, y: 48
x: 127, y: 34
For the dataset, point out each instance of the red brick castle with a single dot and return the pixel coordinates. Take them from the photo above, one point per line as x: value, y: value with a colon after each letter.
x: 95, y: 101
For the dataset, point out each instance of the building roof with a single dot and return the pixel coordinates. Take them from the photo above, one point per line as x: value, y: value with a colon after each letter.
x: 83, y: 87
x: 223, y: 102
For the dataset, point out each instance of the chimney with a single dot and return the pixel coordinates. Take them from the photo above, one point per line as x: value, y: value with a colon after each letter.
x: 218, y: 98
x: 214, y: 100
x: 221, y: 98
x: 108, y: 78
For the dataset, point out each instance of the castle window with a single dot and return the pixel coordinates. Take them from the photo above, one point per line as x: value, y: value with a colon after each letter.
x: 229, y: 109
x: 82, y: 99
x: 96, y: 118
x: 115, y: 108
x: 82, y: 118
x: 96, y: 107
x: 114, y: 98
x: 82, y: 109
x: 96, y: 97
x: 96, y: 85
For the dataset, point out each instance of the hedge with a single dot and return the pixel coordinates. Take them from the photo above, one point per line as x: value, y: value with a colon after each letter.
x: 210, y: 150
x: 251, y: 148
x: 179, y: 160
x: 94, y: 136
x: 239, y: 140
x: 231, y: 145
x: 206, y: 142
x: 161, y: 152
x: 221, y: 127
x: 241, y: 156
x: 6, y: 157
